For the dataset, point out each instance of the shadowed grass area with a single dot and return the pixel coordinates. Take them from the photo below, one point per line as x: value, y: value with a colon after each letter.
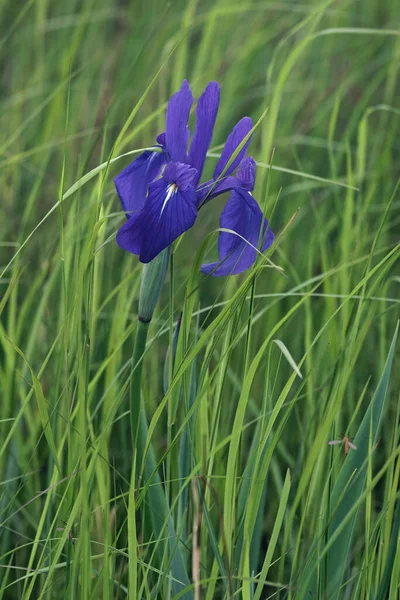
x: 268, y: 367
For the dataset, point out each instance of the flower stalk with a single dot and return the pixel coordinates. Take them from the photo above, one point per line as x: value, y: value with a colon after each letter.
x: 161, y: 520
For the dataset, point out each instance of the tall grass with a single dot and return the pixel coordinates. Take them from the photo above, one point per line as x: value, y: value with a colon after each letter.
x: 268, y: 366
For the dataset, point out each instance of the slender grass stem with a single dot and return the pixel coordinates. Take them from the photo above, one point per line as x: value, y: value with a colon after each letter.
x: 161, y: 522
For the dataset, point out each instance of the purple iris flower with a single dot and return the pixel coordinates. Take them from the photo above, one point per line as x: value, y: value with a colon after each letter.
x: 161, y: 192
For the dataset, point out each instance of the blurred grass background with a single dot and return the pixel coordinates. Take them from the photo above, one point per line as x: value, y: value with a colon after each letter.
x: 328, y: 152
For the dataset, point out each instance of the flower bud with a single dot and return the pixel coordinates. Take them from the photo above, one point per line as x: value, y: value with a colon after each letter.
x: 153, y: 276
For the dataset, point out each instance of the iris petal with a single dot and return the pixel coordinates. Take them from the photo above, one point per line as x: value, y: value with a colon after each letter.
x: 206, y: 114
x: 167, y: 214
x: 177, y: 132
x: 161, y: 139
x: 235, y: 138
x: 243, y: 179
x: 128, y: 235
x: 132, y: 183
x: 242, y: 215
x: 246, y: 173
x: 179, y: 173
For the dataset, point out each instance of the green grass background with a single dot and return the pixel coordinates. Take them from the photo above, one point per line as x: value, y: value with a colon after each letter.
x: 262, y: 506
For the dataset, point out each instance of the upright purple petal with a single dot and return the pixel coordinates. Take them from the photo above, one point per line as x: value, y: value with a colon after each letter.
x: 206, y: 114
x: 177, y: 132
x: 132, y: 183
x: 169, y: 211
x: 246, y: 173
x: 242, y: 215
x: 235, y: 138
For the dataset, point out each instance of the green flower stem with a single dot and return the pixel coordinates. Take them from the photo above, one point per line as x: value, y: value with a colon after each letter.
x: 160, y: 517
x: 139, y: 427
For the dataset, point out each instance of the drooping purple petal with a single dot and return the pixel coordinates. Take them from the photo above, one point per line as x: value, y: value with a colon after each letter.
x: 242, y: 215
x: 132, y: 183
x: 235, y: 138
x: 129, y: 235
x: 206, y: 114
x: 180, y: 174
x: 169, y: 211
x: 177, y: 132
x: 161, y: 139
x: 244, y: 179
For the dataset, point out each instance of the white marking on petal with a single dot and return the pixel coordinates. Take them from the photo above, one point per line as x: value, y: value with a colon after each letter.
x: 171, y: 189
